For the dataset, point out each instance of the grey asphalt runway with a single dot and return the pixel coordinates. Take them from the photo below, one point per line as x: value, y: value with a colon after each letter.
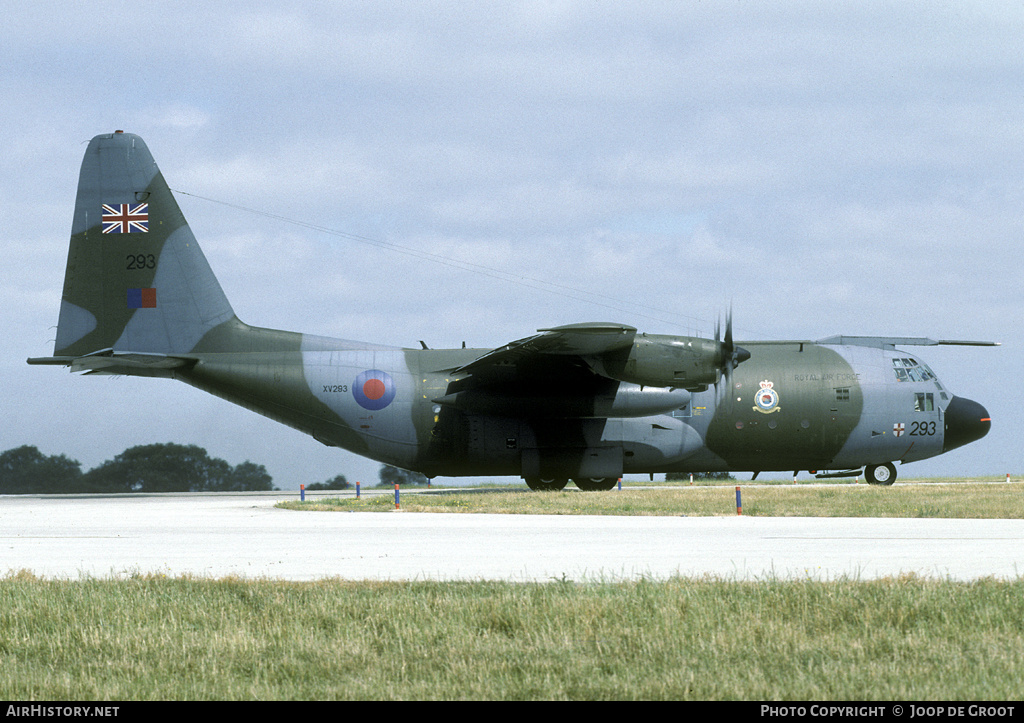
x: 245, y: 535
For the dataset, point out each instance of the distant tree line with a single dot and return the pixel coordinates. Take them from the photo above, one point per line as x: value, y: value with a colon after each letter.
x: 145, y: 468
x: 154, y: 468
x: 334, y: 483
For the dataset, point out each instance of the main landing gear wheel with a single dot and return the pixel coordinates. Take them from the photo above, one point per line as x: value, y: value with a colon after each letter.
x: 880, y: 474
x: 546, y: 484
x: 596, y: 484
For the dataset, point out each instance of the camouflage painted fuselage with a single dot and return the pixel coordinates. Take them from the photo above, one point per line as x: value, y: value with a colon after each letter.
x: 828, y: 407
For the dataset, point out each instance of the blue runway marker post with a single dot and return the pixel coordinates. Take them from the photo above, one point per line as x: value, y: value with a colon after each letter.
x: 302, y: 493
x: 739, y: 504
x: 357, y: 489
x: 396, y: 495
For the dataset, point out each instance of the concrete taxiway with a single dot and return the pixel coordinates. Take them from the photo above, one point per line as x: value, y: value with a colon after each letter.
x: 245, y: 535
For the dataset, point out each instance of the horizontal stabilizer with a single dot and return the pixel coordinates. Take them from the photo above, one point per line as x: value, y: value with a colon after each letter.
x: 108, y: 361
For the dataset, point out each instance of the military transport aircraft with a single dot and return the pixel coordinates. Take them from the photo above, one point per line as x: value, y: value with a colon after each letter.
x: 587, y: 402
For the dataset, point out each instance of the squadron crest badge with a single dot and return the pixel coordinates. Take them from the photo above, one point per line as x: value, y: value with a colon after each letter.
x: 766, y: 400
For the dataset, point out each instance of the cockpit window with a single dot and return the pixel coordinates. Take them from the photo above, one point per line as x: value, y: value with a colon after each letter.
x: 907, y: 369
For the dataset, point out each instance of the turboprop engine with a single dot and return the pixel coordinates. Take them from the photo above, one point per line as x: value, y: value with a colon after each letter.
x: 679, y: 362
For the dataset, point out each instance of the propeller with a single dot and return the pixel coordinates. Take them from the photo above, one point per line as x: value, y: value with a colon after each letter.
x: 731, y: 355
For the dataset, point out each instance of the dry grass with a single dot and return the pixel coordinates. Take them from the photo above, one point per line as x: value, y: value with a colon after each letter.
x: 153, y: 638
x: 992, y: 500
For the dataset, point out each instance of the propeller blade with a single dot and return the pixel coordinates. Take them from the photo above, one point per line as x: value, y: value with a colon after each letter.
x: 728, y: 331
x: 731, y: 355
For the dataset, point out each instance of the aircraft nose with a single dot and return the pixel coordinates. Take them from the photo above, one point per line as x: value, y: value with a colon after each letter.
x: 966, y: 421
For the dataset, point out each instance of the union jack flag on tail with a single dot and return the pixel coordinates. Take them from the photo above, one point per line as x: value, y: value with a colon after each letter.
x: 126, y: 218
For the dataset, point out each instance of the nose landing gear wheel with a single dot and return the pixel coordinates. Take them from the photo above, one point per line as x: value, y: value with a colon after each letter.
x: 880, y: 474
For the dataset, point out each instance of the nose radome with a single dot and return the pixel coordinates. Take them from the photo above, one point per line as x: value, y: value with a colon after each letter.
x: 966, y: 421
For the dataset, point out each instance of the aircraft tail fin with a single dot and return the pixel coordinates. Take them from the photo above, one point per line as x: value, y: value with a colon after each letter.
x: 136, y: 280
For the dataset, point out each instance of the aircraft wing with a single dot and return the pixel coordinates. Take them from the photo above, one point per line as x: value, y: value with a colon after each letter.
x: 579, y: 356
x: 557, y: 373
x: 584, y: 371
x: 573, y: 340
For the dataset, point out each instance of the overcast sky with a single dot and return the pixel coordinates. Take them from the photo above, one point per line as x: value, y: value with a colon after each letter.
x: 484, y: 169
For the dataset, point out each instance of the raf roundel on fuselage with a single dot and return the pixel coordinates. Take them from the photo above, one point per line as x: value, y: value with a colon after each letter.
x: 374, y: 389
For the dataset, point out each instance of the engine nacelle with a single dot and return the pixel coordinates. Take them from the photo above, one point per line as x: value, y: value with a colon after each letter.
x: 681, y: 362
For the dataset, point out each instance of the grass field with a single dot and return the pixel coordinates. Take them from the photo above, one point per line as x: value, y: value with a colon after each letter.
x: 151, y: 638
x: 985, y: 500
